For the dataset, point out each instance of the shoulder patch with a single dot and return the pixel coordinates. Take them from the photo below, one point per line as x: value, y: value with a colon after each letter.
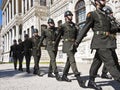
x: 89, y: 14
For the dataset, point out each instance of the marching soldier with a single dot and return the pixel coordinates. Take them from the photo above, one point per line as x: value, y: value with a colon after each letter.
x: 50, y: 35
x: 20, y: 53
x: 69, y: 32
x: 27, y: 51
x: 101, y: 42
x: 13, y: 53
x: 36, y: 52
x: 114, y: 30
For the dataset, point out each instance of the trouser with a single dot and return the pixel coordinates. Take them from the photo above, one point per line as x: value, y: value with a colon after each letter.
x: 105, y: 55
x: 15, y: 62
x: 36, y: 63
x: 104, y: 70
x: 28, y: 58
x: 52, y: 65
x: 71, y: 62
x: 20, y: 58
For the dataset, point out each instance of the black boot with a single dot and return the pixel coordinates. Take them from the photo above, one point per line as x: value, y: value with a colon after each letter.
x: 57, y: 76
x: 35, y: 72
x: 28, y: 70
x: 64, y: 78
x: 80, y: 81
x: 92, y: 84
x: 50, y: 75
x: 106, y: 76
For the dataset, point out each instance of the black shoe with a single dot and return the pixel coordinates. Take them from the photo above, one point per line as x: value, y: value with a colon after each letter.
x: 106, y: 76
x: 64, y: 78
x: 20, y: 69
x: 92, y: 84
x: 81, y: 82
x: 28, y: 71
x: 50, y: 75
x: 40, y: 74
x: 34, y: 72
x: 58, y: 77
x: 15, y: 68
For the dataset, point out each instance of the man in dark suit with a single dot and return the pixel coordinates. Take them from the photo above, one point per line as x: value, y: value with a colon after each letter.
x: 13, y: 53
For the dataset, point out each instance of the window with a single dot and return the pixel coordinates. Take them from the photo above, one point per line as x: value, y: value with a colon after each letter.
x: 80, y: 13
x: 31, y: 3
x: 43, y: 2
x: 51, y: 2
x: 24, y: 5
x: 27, y: 5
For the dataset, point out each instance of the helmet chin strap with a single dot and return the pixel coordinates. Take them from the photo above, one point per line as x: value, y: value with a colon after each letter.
x: 69, y: 19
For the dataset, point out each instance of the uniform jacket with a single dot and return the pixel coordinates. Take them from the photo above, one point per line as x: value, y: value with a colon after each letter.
x: 69, y: 33
x: 35, y: 49
x: 98, y: 22
x: 50, y: 35
x: 13, y: 51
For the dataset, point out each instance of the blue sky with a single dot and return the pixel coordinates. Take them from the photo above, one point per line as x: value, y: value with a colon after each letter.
x: 0, y: 13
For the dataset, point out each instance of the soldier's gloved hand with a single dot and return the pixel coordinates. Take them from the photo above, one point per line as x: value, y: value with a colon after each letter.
x: 76, y: 45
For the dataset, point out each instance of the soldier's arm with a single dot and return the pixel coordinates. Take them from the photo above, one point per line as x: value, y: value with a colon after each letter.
x: 42, y: 38
x: 10, y: 52
x: 85, y: 29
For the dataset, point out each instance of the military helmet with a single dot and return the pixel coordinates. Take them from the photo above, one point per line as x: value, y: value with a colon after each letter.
x: 100, y: 0
x: 107, y: 10
x: 14, y: 40
x: 68, y: 13
x: 50, y: 20
x: 26, y: 35
x: 19, y: 40
x: 35, y: 31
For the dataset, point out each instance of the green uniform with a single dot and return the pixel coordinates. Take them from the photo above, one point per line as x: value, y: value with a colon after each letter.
x: 50, y: 35
x: 101, y: 40
x: 36, y: 52
x: 69, y: 33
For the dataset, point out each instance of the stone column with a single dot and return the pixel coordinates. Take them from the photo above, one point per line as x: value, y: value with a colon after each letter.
x: 12, y: 8
x: 29, y: 3
x: 7, y: 44
x: 36, y: 24
x: 13, y: 35
x: 10, y: 39
x: 17, y: 32
x: 7, y: 14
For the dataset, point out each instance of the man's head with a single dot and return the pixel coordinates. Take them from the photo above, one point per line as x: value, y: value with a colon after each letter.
x: 19, y: 40
x: 107, y: 10
x: 14, y: 41
x: 51, y: 22
x: 26, y: 36
x: 100, y: 3
x: 68, y: 15
x: 35, y: 32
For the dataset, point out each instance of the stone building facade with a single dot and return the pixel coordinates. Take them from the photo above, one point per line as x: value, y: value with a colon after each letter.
x: 20, y: 16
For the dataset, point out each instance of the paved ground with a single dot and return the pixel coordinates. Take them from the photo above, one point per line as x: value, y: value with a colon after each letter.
x: 16, y: 80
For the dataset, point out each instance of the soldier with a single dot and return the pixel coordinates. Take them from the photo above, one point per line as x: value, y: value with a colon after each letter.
x: 20, y: 53
x: 50, y: 35
x: 36, y: 52
x: 69, y: 31
x: 27, y: 51
x: 113, y: 32
x: 101, y: 42
x: 13, y: 53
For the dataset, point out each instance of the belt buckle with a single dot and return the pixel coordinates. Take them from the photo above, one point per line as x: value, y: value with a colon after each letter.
x: 107, y: 33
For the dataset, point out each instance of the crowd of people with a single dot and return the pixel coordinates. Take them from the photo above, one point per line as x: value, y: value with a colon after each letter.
x: 103, y: 41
